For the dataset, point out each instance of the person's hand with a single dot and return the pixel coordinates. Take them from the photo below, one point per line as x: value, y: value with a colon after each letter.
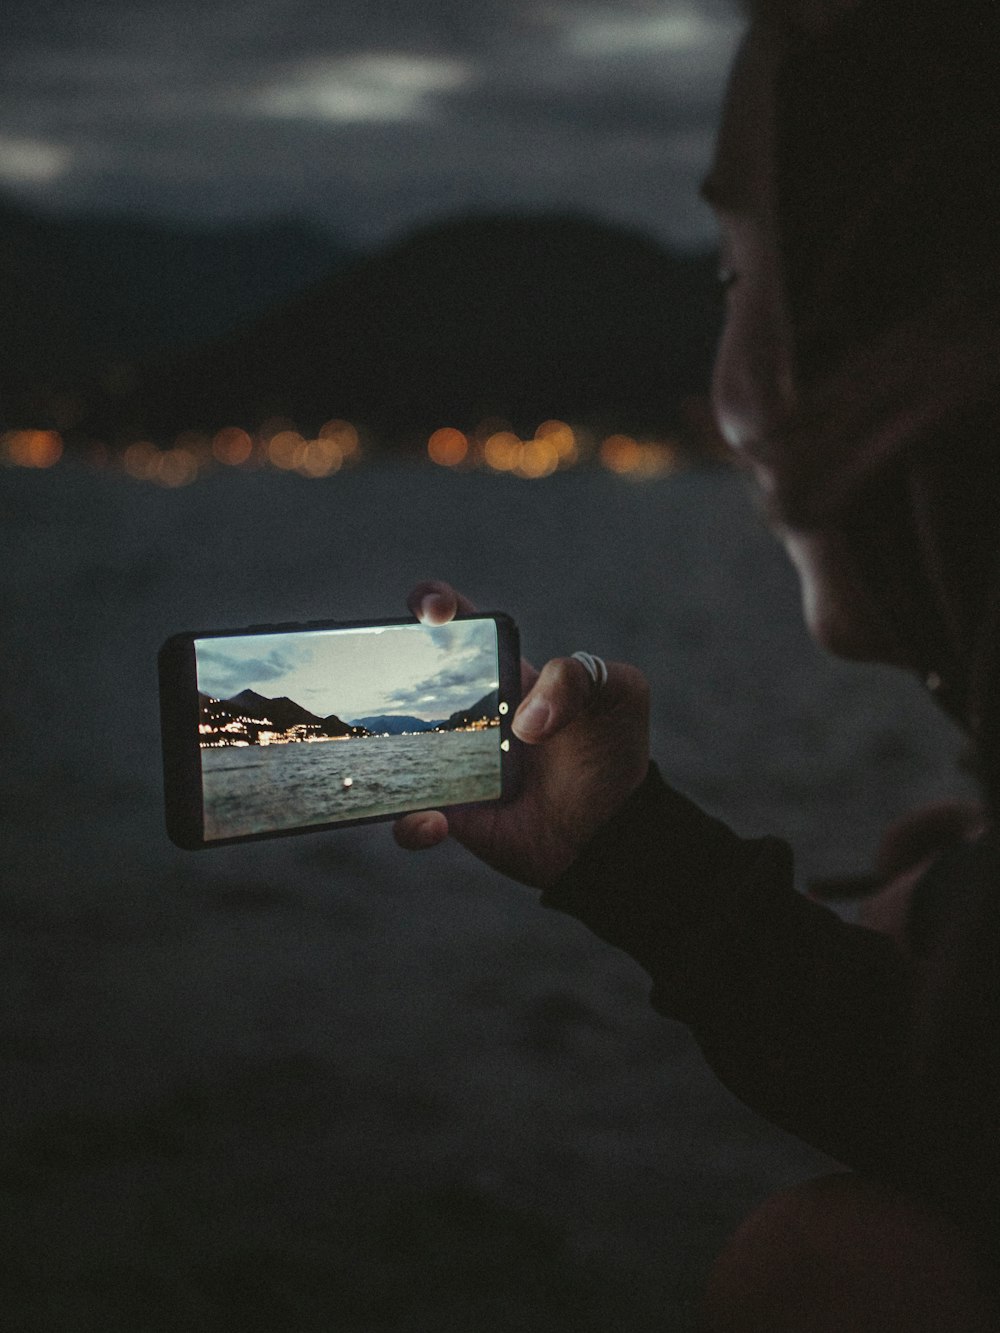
x: 909, y: 847
x: 586, y: 751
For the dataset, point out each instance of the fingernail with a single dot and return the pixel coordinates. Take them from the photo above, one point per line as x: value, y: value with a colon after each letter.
x: 532, y: 720
x: 434, y: 606
x: 426, y: 831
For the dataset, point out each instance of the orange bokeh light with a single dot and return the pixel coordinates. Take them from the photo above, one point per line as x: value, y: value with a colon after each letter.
x: 33, y: 448
x: 343, y: 435
x: 539, y: 458
x: 448, y: 446
x: 232, y: 446
x: 641, y: 459
x: 319, y: 458
x: 503, y: 451
x: 140, y: 460
x: 176, y: 467
x: 286, y: 449
x: 620, y: 453
x: 560, y: 437
x: 659, y: 458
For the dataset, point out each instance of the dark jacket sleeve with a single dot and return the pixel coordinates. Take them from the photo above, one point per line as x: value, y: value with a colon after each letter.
x: 804, y: 1017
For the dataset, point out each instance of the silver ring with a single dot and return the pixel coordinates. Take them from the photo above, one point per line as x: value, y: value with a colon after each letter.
x: 596, y: 669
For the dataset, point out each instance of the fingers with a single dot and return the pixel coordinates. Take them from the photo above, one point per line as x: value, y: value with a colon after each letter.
x: 562, y: 691
x: 435, y: 602
x: 416, y: 833
x: 925, y: 832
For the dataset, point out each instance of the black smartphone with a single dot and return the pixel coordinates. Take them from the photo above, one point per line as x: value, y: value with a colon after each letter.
x: 280, y: 729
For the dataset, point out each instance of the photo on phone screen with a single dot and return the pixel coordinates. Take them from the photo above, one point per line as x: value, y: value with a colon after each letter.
x: 307, y: 727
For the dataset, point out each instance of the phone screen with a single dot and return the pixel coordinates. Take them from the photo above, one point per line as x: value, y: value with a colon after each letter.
x: 299, y: 728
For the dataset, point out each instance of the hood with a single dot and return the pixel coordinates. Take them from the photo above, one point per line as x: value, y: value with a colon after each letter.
x: 888, y: 131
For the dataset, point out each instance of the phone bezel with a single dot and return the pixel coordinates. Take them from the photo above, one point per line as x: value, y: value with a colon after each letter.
x: 179, y: 715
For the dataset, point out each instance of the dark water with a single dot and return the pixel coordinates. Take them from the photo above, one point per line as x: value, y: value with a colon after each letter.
x: 321, y: 1085
x: 263, y: 787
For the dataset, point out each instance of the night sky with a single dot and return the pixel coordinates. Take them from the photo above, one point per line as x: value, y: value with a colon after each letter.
x: 366, y: 118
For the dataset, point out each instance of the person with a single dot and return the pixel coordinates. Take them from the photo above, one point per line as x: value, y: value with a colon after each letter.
x: 857, y: 380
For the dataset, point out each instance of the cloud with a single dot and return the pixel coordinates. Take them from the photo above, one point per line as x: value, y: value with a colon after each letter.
x: 367, y: 87
x: 371, y: 118
x: 224, y: 671
x: 460, y: 637
x: 32, y: 161
x: 469, y: 671
x: 683, y: 30
x: 444, y: 694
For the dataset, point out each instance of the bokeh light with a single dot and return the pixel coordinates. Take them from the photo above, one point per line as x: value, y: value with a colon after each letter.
x: 493, y: 444
x: 562, y: 438
x: 642, y: 460
x: 319, y: 458
x: 232, y: 446
x: 33, y: 448
x: 140, y: 460
x: 286, y: 449
x: 659, y: 458
x: 503, y: 451
x: 176, y: 467
x: 539, y: 458
x: 343, y: 435
x: 448, y: 447
x: 620, y: 453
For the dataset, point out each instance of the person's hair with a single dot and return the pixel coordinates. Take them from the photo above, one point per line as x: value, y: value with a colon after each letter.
x: 887, y: 139
x: 887, y: 120
x: 887, y: 135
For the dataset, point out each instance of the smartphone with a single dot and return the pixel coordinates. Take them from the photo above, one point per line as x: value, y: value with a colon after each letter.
x: 281, y: 729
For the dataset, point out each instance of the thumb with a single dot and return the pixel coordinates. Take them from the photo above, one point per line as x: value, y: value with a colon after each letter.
x: 565, y: 691
x: 561, y: 693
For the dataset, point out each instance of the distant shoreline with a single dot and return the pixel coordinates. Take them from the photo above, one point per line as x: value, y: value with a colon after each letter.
x: 485, y: 725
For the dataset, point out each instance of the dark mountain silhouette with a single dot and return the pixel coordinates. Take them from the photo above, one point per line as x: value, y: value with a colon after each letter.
x: 43, y: 345
x: 174, y: 286
x: 85, y: 296
x: 523, y: 318
x: 484, y: 709
x: 394, y: 723
x: 332, y: 725
x: 247, y: 704
x: 231, y: 720
x: 283, y: 713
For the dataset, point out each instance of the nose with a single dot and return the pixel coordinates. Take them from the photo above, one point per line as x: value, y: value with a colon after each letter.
x: 752, y: 390
x: 753, y: 393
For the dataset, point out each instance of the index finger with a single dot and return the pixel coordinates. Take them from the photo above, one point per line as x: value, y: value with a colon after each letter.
x: 435, y: 602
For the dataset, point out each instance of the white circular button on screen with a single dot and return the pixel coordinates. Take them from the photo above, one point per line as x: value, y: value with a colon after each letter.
x: 504, y: 709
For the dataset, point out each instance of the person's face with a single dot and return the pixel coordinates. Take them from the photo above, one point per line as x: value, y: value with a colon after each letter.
x: 754, y: 389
